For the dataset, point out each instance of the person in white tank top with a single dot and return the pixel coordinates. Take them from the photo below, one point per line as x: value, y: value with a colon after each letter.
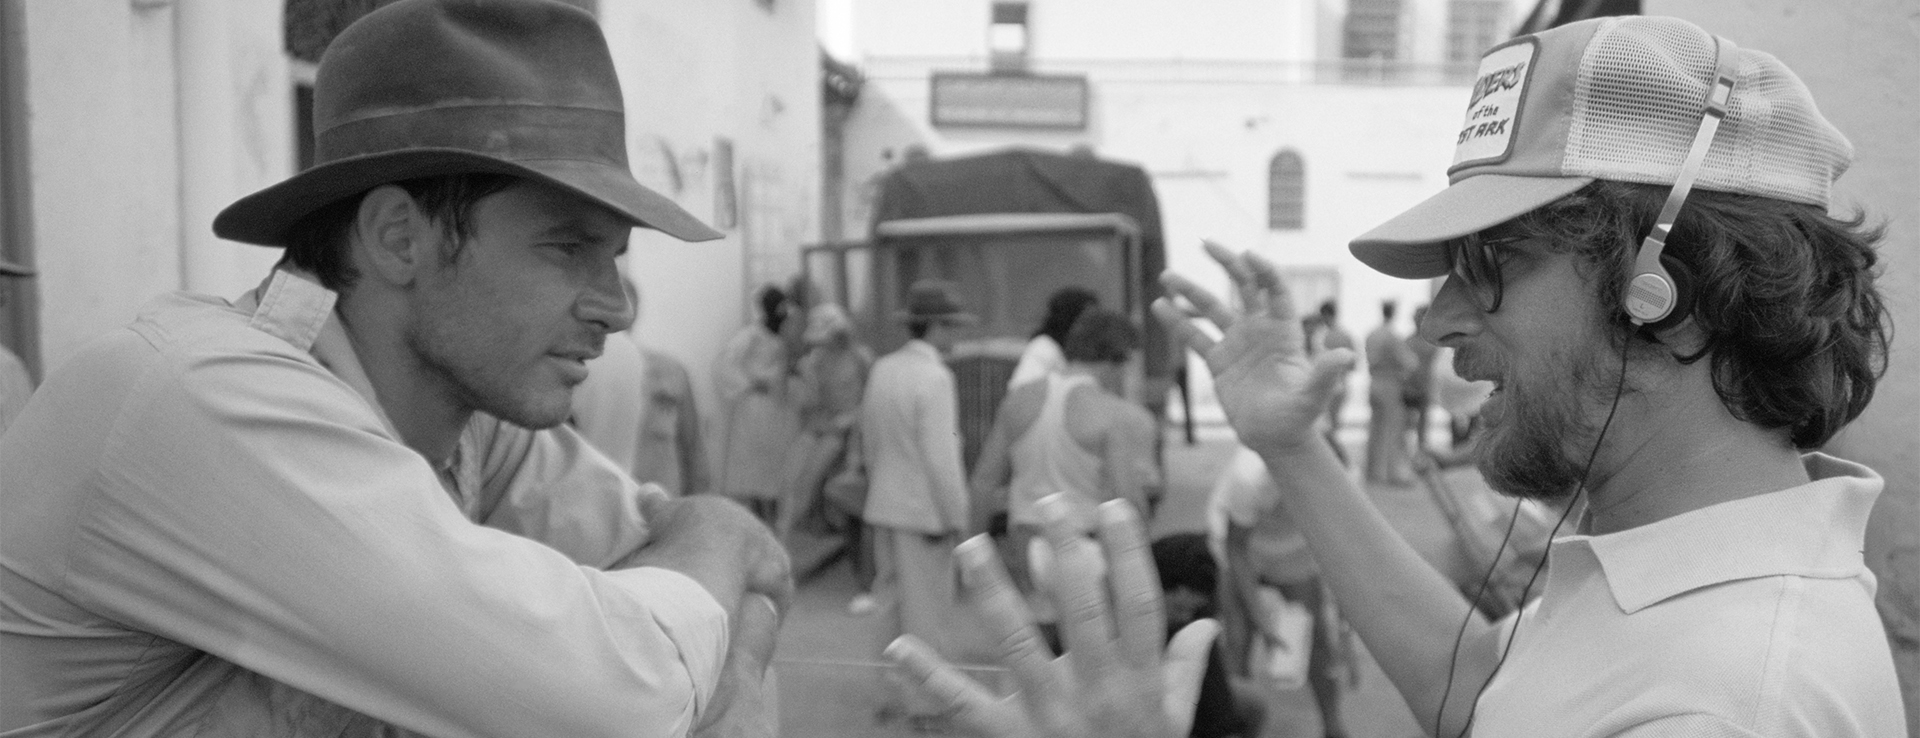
x: 1071, y: 433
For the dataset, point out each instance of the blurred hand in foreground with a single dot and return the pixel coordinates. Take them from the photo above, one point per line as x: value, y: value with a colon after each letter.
x: 1113, y: 681
x: 1271, y: 391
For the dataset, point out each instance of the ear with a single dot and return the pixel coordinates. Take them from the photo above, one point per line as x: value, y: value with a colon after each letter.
x: 391, y: 235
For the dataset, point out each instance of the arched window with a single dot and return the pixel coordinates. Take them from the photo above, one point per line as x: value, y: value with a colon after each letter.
x: 1286, y: 192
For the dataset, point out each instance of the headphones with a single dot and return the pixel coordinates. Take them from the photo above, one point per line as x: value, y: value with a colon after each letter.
x: 1660, y: 294
x: 1658, y: 297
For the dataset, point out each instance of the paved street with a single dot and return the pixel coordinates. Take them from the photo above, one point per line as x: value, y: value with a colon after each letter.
x: 829, y: 677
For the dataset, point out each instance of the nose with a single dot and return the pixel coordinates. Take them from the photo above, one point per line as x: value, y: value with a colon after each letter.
x: 1452, y: 316
x: 605, y: 303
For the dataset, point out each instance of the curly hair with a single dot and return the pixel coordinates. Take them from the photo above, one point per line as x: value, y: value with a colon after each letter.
x: 1796, y: 332
x: 318, y: 242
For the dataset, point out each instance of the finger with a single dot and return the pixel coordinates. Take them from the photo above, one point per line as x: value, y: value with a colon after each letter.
x: 971, y: 705
x: 1140, y: 618
x: 1202, y: 299
x: 1229, y: 260
x: 1256, y: 296
x: 756, y: 631
x: 1181, y: 327
x: 1180, y: 675
x: 1279, y: 302
x: 771, y: 572
x: 1330, y: 367
x: 1005, y: 612
x: 1078, y: 589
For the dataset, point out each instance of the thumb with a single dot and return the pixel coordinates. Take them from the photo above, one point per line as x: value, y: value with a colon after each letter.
x: 1330, y: 367
x: 1180, y: 672
x: 756, y: 631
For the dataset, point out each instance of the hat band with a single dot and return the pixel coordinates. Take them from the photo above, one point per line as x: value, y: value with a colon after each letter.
x: 506, y: 132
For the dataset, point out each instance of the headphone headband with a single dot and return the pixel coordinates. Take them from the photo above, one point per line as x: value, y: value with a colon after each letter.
x: 1652, y: 294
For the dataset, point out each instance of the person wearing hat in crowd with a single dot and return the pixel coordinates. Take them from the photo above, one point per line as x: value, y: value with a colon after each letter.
x: 917, y: 502
x: 1715, y: 584
x: 637, y: 407
x: 826, y: 391
x: 15, y: 383
x: 346, y: 503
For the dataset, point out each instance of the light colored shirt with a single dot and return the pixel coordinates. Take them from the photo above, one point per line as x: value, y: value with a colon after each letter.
x: 1041, y: 357
x: 1245, y: 496
x: 1047, y: 459
x: 212, y: 528
x: 909, y: 423
x: 1753, y: 617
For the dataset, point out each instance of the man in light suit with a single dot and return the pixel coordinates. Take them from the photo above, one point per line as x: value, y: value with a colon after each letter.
x: 917, y: 503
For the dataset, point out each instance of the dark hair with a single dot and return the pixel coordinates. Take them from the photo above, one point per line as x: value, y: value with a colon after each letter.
x: 773, y: 307
x: 1184, y: 560
x: 1328, y: 310
x: 1796, y: 332
x: 318, y: 242
x: 918, y: 327
x: 1387, y: 308
x: 1101, y: 336
x: 1063, y: 308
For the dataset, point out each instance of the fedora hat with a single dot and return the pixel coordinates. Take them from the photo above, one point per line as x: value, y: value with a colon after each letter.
x: 422, y: 88
x: 934, y: 300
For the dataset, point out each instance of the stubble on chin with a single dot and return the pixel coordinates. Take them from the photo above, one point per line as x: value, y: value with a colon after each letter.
x: 1530, y: 452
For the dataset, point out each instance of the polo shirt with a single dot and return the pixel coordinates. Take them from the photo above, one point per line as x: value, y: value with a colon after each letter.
x: 1753, y: 617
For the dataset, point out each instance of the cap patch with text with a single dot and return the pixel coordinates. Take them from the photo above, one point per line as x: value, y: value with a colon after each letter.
x: 1493, y: 110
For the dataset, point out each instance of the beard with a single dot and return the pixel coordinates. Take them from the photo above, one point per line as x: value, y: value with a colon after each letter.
x: 1540, y: 446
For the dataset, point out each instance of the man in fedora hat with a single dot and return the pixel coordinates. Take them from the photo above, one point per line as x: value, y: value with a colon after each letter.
x: 917, y: 492
x: 15, y: 383
x: 344, y: 504
x: 1639, y: 254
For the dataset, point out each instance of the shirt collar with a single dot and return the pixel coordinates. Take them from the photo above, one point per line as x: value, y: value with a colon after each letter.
x: 1816, y: 530
x: 292, y: 305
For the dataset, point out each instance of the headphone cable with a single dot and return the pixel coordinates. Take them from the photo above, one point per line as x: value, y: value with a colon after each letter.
x: 1520, y: 606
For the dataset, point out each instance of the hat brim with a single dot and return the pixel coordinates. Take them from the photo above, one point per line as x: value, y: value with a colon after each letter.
x: 1410, y: 246
x: 266, y: 217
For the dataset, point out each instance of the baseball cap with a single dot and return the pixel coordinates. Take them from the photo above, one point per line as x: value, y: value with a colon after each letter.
x: 1617, y: 98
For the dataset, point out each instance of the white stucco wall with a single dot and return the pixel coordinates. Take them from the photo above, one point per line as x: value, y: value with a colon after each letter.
x: 694, y: 71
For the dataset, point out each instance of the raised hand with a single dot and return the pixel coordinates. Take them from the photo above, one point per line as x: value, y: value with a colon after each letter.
x: 1271, y: 392
x: 1113, y: 679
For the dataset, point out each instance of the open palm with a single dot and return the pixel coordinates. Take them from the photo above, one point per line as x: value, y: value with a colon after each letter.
x: 1271, y: 392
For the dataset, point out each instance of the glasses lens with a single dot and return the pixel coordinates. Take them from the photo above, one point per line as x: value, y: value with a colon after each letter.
x: 1477, y: 269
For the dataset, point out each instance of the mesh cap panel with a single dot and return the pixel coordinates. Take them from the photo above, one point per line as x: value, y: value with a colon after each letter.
x: 1639, y: 95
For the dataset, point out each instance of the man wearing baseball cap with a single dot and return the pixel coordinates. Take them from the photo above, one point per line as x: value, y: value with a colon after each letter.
x: 345, y: 503
x: 1639, y: 256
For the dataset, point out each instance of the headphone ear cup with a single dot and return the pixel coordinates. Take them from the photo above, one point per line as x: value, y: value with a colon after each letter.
x: 1682, y: 279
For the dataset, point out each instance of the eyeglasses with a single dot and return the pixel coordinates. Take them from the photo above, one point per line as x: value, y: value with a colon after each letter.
x: 1476, y: 263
